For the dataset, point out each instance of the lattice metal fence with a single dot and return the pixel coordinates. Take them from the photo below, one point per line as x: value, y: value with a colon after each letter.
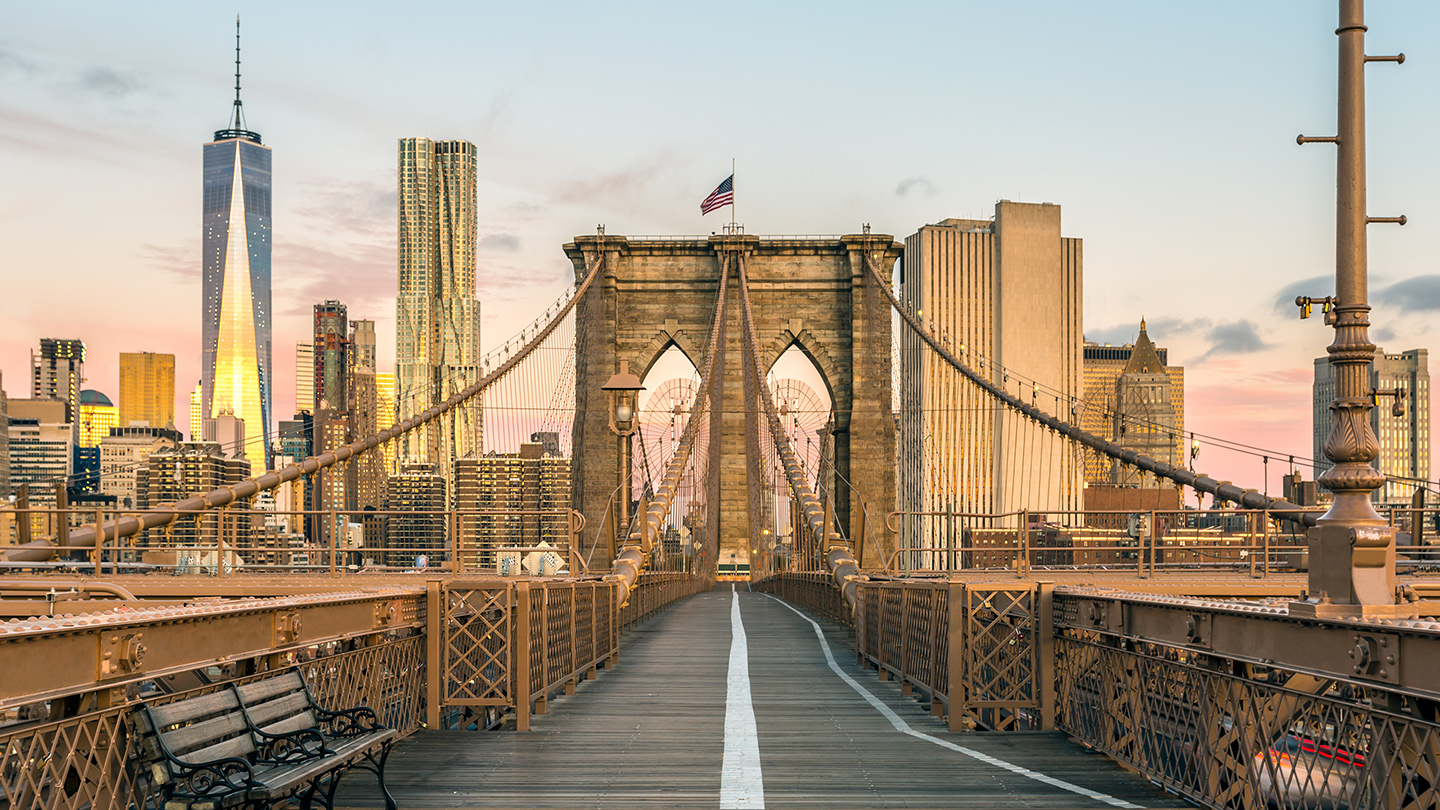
x: 1236, y: 736
x: 86, y: 761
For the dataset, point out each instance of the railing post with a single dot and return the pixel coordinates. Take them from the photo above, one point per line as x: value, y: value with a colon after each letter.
x: 1045, y: 648
x: 1154, y: 536
x: 334, y: 540
x: 573, y: 540
x: 1250, y: 541
x: 955, y: 686
x: 1022, y: 540
x: 435, y: 646
x: 455, y: 564
x: 520, y: 663
x: 100, y: 539
x: 614, y: 625
x: 1265, y: 570
x: 541, y: 702
x: 859, y: 534
x: 99, y: 545
x: 60, y: 520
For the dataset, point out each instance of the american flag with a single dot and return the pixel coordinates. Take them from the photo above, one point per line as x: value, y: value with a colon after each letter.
x: 723, y: 195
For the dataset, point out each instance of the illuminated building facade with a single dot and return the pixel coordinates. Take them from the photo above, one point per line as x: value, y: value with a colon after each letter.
x: 437, y: 324
x: 235, y: 286
x: 147, y: 389
x: 1006, y: 294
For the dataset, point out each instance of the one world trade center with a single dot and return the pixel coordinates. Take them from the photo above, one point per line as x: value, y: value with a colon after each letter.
x: 235, y: 349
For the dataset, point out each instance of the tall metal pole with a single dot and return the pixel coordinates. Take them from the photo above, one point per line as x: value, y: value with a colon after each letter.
x: 1352, y: 550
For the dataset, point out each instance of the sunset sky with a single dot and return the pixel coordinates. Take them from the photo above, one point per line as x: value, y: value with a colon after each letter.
x: 1166, y: 131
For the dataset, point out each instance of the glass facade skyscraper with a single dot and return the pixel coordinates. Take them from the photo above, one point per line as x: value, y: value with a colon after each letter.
x: 236, y: 316
x: 437, y: 317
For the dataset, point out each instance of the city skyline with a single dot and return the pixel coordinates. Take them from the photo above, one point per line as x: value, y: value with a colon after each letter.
x: 1211, y: 165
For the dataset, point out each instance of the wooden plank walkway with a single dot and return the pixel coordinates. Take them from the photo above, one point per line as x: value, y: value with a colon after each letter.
x: 651, y: 733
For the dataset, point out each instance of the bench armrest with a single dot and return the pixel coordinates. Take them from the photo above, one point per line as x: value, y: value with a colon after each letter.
x: 355, y: 722
x: 294, y: 746
x: 219, y: 777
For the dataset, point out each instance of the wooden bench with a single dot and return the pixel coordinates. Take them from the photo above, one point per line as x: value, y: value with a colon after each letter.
x: 256, y: 744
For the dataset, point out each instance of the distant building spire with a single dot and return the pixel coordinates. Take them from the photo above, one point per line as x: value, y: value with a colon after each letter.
x: 236, y: 128
x: 237, y: 118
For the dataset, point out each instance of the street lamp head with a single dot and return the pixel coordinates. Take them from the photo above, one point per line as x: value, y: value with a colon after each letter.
x: 623, y: 388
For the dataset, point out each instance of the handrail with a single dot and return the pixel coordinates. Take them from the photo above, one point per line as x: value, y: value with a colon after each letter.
x: 78, y: 586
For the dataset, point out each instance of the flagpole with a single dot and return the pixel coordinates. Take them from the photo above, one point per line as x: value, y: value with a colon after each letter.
x: 732, y: 195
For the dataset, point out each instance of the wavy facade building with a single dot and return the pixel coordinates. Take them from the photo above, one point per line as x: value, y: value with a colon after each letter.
x: 437, y: 317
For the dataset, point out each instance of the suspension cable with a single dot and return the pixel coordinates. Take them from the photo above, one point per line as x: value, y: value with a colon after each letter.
x: 223, y: 496
x: 1246, y: 498
x: 842, y: 564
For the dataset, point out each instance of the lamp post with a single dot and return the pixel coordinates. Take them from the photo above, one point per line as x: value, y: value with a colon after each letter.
x: 1352, y: 550
x: 623, y: 388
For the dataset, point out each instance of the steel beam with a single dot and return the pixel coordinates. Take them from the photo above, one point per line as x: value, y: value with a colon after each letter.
x: 49, y: 657
x: 1400, y: 655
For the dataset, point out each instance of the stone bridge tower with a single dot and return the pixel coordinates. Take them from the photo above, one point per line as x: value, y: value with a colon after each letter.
x: 810, y: 292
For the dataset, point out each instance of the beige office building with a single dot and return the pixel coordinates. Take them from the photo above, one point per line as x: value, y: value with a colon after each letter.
x: 147, y: 389
x: 1404, y: 438
x: 1005, y: 294
x: 1103, y: 366
x: 124, y: 453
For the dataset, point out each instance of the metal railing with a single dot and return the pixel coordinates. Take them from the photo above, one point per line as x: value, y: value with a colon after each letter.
x: 249, y: 541
x: 459, y: 653
x: 976, y: 652
x: 1147, y: 542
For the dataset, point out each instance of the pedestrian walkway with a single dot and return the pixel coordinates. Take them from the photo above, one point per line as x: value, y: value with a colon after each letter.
x: 737, y: 700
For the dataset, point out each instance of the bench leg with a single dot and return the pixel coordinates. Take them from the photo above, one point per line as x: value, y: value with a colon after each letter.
x: 377, y: 767
x: 380, y: 774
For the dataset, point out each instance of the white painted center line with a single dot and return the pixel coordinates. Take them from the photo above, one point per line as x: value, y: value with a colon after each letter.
x: 905, y: 728
x: 741, y: 785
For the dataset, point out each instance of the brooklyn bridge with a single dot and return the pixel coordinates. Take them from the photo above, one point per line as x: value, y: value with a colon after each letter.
x: 765, y: 591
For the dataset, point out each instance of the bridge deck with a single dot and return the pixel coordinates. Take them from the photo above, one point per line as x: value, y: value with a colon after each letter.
x: 653, y: 732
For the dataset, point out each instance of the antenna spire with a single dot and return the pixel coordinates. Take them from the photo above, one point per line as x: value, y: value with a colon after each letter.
x: 236, y: 127
x: 237, y: 118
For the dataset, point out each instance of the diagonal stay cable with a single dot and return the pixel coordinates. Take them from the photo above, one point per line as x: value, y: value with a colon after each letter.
x: 223, y: 496
x: 1247, y: 498
x: 664, y: 495
x: 837, y: 556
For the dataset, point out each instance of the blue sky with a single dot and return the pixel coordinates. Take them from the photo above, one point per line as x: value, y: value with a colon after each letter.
x: 1165, y: 130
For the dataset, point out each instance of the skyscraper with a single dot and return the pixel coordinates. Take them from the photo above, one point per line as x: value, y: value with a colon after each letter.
x: 57, y: 372
x: 236, y: 315
x: 147, y: 389
x: 437, y: 316
x: 1103, y: 366
x: 1404, y: 438
x: 1006, y: 294
x: 1145, y: 418
x: 385, y: 413
x: 197, y: 418
x: 330, y: 354
x: 97, y: 416
x: 365, y: 475
x: 304, y: 377
x: 331, y: 425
